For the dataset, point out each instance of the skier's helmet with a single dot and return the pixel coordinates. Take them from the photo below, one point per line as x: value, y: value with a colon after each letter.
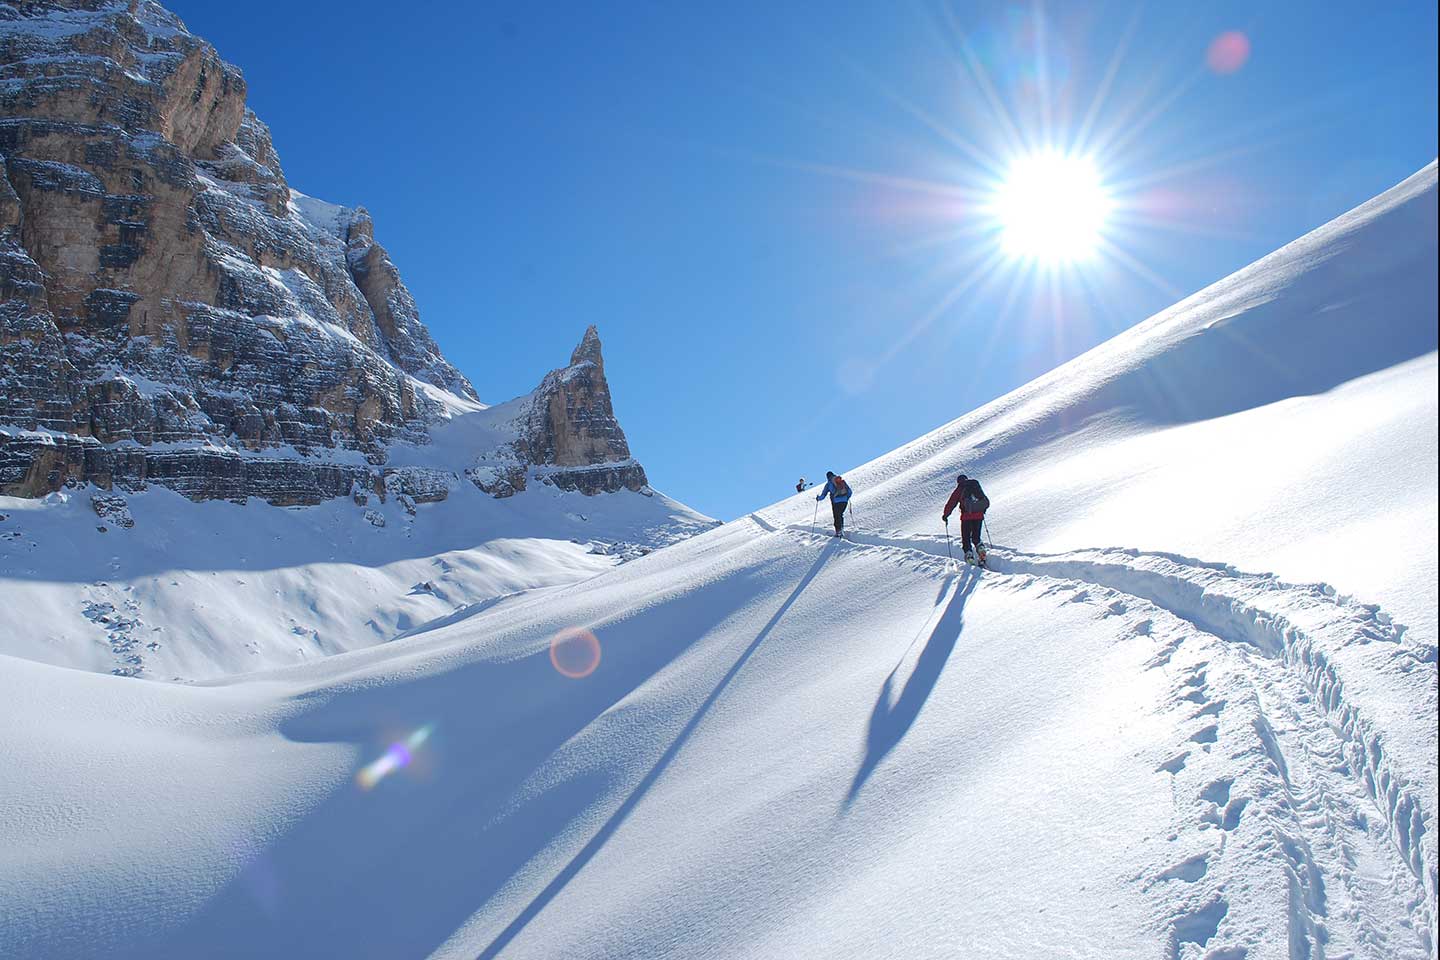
x: 829, y: 474
x: 961, y: 479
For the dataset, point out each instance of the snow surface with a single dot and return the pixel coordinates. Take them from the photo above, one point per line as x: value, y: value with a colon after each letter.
x: 203, y: 590
x: 327, y: 219
x: 1115, y: 743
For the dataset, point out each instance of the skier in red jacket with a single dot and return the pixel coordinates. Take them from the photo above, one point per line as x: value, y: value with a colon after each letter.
x: 973, y: 503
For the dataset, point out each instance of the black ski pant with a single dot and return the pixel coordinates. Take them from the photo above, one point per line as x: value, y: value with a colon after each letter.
x: 838, y: 508
x: 970, y: 533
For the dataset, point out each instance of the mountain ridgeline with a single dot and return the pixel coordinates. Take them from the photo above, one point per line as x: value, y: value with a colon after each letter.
x: 173, y: 313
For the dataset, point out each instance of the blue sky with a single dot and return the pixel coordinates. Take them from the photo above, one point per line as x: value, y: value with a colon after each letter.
x: 774, y: 211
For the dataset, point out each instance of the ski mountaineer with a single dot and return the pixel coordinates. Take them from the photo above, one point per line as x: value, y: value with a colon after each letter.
x: 973, y: 504
x: 839, y: 493
x: 800, y: 486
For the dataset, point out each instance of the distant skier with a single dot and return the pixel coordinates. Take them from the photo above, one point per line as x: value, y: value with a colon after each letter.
x: 973, y: 504
x: 839, y: 493
x: 800, y: 486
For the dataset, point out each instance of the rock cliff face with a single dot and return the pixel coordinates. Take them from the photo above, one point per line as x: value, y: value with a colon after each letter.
x: 567, y: 434
x: 172, y: 312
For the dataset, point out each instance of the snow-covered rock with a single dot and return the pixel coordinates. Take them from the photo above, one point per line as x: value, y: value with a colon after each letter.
x: 164, y: 287
x: 174, y: 317
x: 113, y: 509
x: 172, y: 312
x: 564, y: 432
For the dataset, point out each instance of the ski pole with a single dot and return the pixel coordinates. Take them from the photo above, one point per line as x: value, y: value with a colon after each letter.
x: 948, y: 552
x: 813, y: 515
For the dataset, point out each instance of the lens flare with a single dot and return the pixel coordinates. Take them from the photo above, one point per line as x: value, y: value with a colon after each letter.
x: 1228, y: 52
x: 1051, y: 207
x: 575, y: 652
x: 396, y: 757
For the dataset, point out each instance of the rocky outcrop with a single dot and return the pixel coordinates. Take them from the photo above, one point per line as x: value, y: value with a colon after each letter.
x: 566, y: 434
x: 112, y: 509
x: 172, y: 312
x: 161, y: 284
x: 34, y: 462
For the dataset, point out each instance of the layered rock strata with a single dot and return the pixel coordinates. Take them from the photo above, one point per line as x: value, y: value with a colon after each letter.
x: 172, y: 312
x: 162, y: 286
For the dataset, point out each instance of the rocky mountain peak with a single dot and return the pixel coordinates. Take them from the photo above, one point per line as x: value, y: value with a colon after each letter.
x: 588, y: 350
x: 171, y: 311
x: 566, y: 434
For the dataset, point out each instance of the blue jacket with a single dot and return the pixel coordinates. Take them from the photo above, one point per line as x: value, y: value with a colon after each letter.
x: 830, y: 491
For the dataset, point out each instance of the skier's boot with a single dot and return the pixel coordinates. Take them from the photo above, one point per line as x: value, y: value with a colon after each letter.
x: 981, y: 553
x: 969, y: 558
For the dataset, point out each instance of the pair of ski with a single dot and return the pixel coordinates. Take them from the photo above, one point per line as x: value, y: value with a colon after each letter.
x: 969, y: 559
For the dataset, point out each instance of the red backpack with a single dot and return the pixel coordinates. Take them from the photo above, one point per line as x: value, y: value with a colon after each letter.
x: 842, y: 488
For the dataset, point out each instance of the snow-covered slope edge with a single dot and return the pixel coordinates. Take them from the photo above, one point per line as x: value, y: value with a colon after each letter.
x: 202, y: 590
x: 1282, y: 419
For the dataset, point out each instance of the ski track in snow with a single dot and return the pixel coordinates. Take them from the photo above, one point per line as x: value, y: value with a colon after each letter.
x: 1258, y: 665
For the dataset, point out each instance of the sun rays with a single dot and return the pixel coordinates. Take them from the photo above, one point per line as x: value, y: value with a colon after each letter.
x: 1032, y: 185
x: 1046, y: 179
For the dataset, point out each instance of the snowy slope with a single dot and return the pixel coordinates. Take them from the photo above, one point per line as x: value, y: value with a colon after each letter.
x: 792, y: 746
x: 1282, y: 419
x: 203, y: 590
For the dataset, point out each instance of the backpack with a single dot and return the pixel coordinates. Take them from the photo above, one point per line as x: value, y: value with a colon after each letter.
x: 974, y: 500
x: 842, y: 489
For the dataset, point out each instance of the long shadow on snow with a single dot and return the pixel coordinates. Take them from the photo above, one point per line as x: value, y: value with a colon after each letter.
x: 395, y: 871
x: 892, y: 717
x: 617, y: 818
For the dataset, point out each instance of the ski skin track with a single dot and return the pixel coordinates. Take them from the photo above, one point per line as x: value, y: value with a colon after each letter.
x: 1219, y: 601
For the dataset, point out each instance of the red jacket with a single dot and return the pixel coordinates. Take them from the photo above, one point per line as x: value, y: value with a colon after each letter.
x: 954, y: 499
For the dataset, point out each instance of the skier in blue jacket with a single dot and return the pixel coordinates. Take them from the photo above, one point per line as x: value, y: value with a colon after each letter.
x: 839, y: 493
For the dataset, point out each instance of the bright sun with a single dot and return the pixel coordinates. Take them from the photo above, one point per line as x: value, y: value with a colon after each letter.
x: 1052, y: 208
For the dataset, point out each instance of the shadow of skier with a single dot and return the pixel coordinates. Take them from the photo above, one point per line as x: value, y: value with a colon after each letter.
x: 587, y: 853
x: 891, y: 720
